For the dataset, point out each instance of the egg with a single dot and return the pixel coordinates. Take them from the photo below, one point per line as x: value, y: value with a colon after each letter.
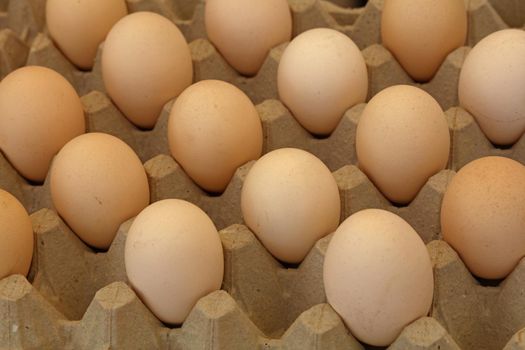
x: 491, y: 85
x: 321, y: 74
x: 145, y: 63
x: 483, y: 215
x: 377, y: 275
x: 97, y: 182
x: 39, y: 112
x: 78, y: 27
x: 213, y: 129
x: 402, y: 139
x: 290, y: 200
x: 245, y: 31
x: 420, y: 34
x: 173, y: 257
x: 16, y: 237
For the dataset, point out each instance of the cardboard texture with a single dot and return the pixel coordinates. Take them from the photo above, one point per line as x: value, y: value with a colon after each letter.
x: 78, y: 298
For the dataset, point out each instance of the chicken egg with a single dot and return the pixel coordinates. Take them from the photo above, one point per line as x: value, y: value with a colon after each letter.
x: 78, y: 27
x: 290, y: 200
x: 378, y: 275
x: 145, y: 63
x: 16, y: 237
x: 173, y: 257
x: 491, y: 85
x: 39, y: 112
x: 321, y: 74
x: 213, y: 129
x: 98, y: 182
x: 420, y: 34
x: 245, y: 31
x: 483, y: 215
x: 402, y: 139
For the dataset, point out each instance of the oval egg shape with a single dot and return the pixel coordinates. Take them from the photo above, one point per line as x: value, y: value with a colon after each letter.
x: 378, y: 275
x: 173, y: 257
x: 290, y: 200
x: 98, y: 182
x: 402, y: 139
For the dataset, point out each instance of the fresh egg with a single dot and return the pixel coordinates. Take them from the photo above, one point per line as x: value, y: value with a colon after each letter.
x: 290, y: 200
x: 483, y: 215
x: 402, y: 139
x: 213, y: 129
x: 16, y: 237
x: 377, y: 275
x: 97, y: 183
x: 78, y: 27
x: 420, y: 34
x: 245, y: 31
x: 145, y: 63
x: 491, y: 85
x: 173, y: 257
x: 39, y: 112
x: 321, y: 74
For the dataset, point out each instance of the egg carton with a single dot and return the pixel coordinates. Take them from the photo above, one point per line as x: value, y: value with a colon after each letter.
x: 86, y: 303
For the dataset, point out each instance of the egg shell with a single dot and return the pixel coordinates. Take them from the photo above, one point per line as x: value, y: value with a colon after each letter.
x: 420, y: 34
x: 402, y: 139
x: 98, y: 182
x: 245, y: 31
x: 16, y: 237
x: 78, y: 27
x: 173, y: 257
x: 213, y: 129
x: 377, y: 275
x: 491, y: 85
x: 290, y: 200
x: 145, y: 63
x: 483, y: 215
x: 39, y: 112
x: 321, y: 74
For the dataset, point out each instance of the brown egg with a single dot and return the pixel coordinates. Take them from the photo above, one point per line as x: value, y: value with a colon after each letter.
x: 491, y: 85
x: 173, y: 257
x: 290, y: 200
x: 321, y: 74
x: 16, y: 237
x: 213, y: 129
x: 483, y: 215
x: 377, y: 275
x: 39, y: 112
x: 78, y: 27
x: 97, y: 183
x: 420, y: 34
x: 245, y: 31
x: 145, y: 63
x: 402, y: 139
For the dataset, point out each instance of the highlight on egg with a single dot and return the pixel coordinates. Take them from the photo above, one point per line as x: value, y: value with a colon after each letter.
x: 290, y: 200
x: 402, y: 139
x: 213, y: 129
x: 16, y: 237
x: 245, y: 31
x: 79, y: 27
x: 40, y: 112
x: 321, y: 74
x: 491, y: 85
x: 483, y: 215
x: 146, y: 62
x: 173, y: 257
x: 97, y: 182
x: 377, y: 275
x: 420, y: 34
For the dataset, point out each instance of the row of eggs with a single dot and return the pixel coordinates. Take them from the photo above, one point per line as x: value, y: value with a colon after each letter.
x: 97, y: 182
x: 377, y: 272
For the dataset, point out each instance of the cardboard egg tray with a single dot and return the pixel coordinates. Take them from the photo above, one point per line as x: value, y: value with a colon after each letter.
x: 78, y: 298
